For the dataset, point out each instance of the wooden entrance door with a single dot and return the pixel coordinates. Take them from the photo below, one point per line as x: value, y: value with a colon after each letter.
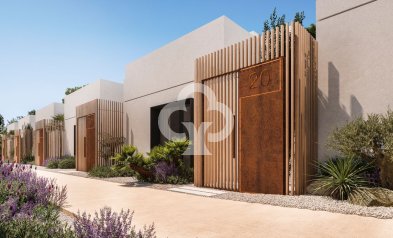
x: 86, y: 148
x: 81, y: 144
x: 90, y: 141
x: 261, y: 128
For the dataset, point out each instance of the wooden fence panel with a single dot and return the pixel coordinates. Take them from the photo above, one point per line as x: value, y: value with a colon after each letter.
x: 219, y: 71
x: 108, y: 130
x: 48, y: 140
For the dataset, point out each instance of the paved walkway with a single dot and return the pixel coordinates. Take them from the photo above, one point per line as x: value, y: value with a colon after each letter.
x: 183, y: 215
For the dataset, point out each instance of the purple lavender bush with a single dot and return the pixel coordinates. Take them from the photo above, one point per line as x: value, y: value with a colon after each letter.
x: 163, y: 170
x: 29, y: 205
x: 21, y: 191
x: 108, y: 224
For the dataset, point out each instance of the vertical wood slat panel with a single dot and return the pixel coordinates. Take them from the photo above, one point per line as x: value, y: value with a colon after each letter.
x: 267, y: 45
x: 198, y: 175
x: 258, y: 49
x: 292, y: 93
x: 285, y: 38
x: 209, y: 162
x: 277, y: 44
x: 263, y: 46
x: 272, y: 38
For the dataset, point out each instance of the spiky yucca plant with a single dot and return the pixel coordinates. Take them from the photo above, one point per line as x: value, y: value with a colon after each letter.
x: 338, y: 178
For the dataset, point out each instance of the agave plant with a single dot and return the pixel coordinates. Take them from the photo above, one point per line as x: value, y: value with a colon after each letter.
x: 339, y: 178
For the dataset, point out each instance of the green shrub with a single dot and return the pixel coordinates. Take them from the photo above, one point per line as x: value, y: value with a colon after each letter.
x: 52, y: 163
x: 338, y: 178
x: 172, y: 151
x: 110, y: 172
x: 370, y: 140
x: 130, y: 155
x: 372, y: 197
x: 164, y: 164
x: 126, y: 171
x: 68, y: 163
x: 177, y: 180
x: 43, y: 223
x: 27, y: 159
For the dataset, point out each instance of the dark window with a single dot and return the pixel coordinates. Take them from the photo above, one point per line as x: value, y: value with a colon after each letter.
x: 175, y: 122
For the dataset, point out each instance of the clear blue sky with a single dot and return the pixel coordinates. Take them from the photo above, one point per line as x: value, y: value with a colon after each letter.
x: 47, y: 46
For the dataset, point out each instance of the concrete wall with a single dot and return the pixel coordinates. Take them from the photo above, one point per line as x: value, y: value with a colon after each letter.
x: 355, y: 61
x: 29, y: 119
x: 12, y: 127
x: 49, y: 111
x: 100, y: 89
x: 158, y: 77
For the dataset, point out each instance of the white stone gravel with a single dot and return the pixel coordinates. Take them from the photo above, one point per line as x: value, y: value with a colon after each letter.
x: 317, y: 203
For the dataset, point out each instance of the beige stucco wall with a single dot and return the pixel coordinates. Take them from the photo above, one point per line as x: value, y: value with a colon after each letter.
x: 12, y: 126
x: 355, y: 62
x: 158, y: 77
x: 29, y: 119
x: 49, y: 111
x: 100, y: 89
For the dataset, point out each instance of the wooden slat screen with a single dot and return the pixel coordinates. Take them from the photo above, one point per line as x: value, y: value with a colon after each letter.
x: 48, y: 140
x: 109, y: 125
x: 221, y: 172
x: 219, y: 71
x: 7, y: 147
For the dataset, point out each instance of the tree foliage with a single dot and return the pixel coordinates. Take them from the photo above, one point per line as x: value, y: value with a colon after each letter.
x: 15, y: 119
x: 68, y: 91
x: 32, y: 112
x: 275, y: 21
x: 370, y: 139
x: 312, y: 29
x: 299, y: 17
x: 58, y: 117
x: 71, y: 90
x: 2, y: 125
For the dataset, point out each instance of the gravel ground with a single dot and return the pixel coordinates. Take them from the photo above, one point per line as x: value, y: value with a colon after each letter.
x: 317, y: 203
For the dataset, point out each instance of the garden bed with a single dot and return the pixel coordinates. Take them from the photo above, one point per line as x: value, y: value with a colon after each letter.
x: 129, y: 181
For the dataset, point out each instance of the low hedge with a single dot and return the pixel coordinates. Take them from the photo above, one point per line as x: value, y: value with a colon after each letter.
x: 109, y: 172
x: 67, y: 163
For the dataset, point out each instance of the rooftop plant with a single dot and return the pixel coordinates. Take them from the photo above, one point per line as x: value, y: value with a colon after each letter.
x: 58, y: 117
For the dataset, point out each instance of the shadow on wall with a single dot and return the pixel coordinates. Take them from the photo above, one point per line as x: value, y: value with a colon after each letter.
x: 331, y: 113
x: 129, y: 133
